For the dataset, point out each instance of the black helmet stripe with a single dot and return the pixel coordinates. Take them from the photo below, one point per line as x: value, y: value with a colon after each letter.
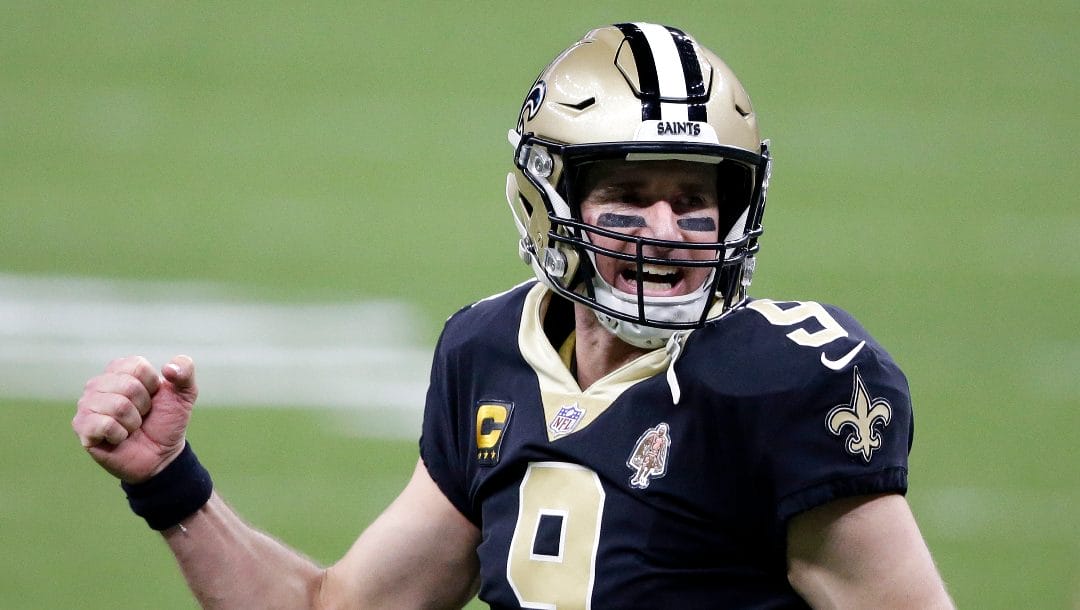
x: 693, y: 93
x: 695, y: 84
x: 648, y: 82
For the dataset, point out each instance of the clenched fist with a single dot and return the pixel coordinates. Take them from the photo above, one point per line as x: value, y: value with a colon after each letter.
x: 131, y: 419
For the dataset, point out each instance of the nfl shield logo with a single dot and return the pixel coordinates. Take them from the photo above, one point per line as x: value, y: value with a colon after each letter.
x: 566, y: 420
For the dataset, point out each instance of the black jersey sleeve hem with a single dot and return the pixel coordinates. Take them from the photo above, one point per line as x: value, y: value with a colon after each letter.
x: 890, y: 480
x: 452, y: 494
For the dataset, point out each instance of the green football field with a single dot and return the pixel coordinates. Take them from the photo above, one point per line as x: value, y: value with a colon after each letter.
x: 926, y: 180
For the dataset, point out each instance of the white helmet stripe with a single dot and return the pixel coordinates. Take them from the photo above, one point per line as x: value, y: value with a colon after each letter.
x: 669, y: 78
x: 674, y: 112
x: 669, y: 69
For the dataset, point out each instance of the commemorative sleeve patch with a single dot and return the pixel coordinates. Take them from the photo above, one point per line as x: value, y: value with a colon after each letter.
x: 862, y: 420
x: 648, y: 460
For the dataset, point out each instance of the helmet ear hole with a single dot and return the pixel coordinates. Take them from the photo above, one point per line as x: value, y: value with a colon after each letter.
x: 525, y: 250
x: 540, y: 163
x: 554, y: 262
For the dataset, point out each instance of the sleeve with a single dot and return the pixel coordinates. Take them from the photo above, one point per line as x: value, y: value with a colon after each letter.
x: 443, y: 446
x: 844, y: 433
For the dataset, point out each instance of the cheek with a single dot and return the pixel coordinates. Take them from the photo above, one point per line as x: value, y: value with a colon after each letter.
x: 606, y: 266
x: 609, y: 243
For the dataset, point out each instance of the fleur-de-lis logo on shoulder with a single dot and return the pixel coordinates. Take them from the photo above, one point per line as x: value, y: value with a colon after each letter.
x: 862, y: 416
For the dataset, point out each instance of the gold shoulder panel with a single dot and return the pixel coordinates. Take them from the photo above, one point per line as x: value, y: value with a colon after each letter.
x: 568, y: 409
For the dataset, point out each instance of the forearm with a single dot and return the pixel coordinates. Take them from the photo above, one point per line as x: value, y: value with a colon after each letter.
x: 419, y: 553
x: 229, y: 564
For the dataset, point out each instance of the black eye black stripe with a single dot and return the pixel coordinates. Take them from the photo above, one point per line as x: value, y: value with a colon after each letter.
x: 649, y: 82
x: 695, y: 223
x: 620, y: 221
x: 695, y: 84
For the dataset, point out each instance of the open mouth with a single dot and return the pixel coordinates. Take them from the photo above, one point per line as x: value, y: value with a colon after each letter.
x: 655, y: 280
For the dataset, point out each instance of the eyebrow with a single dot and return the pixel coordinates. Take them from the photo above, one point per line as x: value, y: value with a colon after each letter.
x: 609, y: 192
x: 631, y: 182
x: 617, y: 190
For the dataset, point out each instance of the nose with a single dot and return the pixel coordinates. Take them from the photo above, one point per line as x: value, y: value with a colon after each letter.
x: 662, y: 222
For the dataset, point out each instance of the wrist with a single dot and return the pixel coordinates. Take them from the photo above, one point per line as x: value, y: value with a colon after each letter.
x: 168, y: 497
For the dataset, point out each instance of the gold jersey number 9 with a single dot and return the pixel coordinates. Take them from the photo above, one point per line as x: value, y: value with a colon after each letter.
x: 563, y: 502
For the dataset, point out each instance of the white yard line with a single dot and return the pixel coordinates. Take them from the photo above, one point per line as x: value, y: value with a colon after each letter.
x: 366, y: 356
x: 368, y: 360
x: 1037, y: 516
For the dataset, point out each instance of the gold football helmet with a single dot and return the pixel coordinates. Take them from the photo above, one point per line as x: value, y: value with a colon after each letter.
x: 636, y: 92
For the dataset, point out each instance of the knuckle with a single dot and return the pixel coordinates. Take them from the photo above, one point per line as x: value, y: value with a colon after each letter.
x: 128, y: 416
x: 111, y: 430
x: 102, y: 403
x: 92, y: 383
x: 88, y: 427
x: 116, y: 364
x: 122, y: 408
x: 83, y: 408
x: 116, y: 403
x: 142, y: 367
x: 142, y: 404
x: 116, y: 435
x: 130, y: 386
x: 125, y: 364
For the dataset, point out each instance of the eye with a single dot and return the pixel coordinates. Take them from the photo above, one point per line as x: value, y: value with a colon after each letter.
x: 692, y: 202
x: 631, y: 199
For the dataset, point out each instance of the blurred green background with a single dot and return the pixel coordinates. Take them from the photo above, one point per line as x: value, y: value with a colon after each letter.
x: 926, y: 180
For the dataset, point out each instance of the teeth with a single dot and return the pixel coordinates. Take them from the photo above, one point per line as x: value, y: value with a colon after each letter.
x: 654, y: 278
x: 655, y: 286
x: 659, y: 269
x: 658, y: 278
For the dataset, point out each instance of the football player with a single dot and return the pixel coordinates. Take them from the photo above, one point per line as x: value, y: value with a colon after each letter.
x: 627, y: 429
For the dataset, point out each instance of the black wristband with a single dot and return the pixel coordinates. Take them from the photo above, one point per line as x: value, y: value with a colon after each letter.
x: 166, y: 498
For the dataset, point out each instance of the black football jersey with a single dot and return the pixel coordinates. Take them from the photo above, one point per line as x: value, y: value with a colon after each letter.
x: 669, y: 482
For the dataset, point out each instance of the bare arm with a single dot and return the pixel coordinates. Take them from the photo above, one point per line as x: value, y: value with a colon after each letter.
x: 863, y: 552
x: 421, y: 552
x: 229, y: 564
